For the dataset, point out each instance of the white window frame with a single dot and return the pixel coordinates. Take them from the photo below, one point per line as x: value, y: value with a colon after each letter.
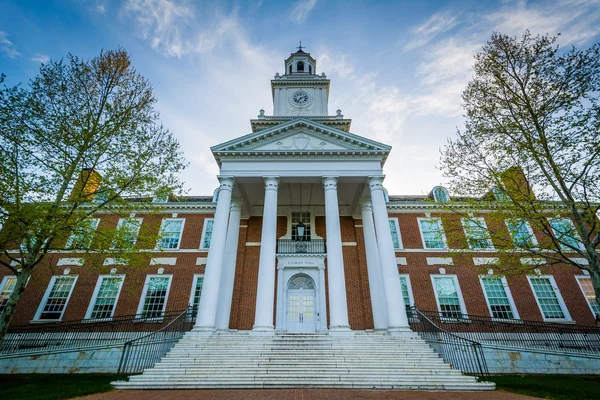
x: 577, y: 237
x: 204, y: 227
x: 140, y: 308
x: 3, y: 285
x: 140, y: 220
x: 40, y: 309
x: 461, y: 301
x: 90, y: 308
x: 436, y: 191
x: 192, y: 292
x: 534, y: 241
x: 508, y: 293
x: 480, y: 221
x: 73, y: 237
x: 578, y: 278
x: 561, y: 301
x: 443, y: 233
x: 409, y: 287
x: 162, y: 224
x: 395, y: 221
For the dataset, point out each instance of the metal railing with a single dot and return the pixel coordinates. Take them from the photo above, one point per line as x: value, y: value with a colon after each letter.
x: 287, y: 246
x: 463, y: 354
x: 520, y: 333
x: 82, y: 333
x: 145, y: 351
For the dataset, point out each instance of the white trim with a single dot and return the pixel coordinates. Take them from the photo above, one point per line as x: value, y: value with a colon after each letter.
x: 140, y: 220
x: 409, y: 286
x: 194, y: 282
x: 534, y: 241
x: 559, y: 297
x: 163, y: 261
x: 577, y: 277
x: 204, y: 227
x: 507, y: 291
x: 480, y: 222
x: 461, y: 301
x: 70, y: 262
x: 486, y: 260
x: 90, y: 308
x: 162, y: 224
x: 140, y: 308
x: 419, y: 219
x: 440, y: 261
x: 401, y: 244
x: 3, y: 285
x: 40, y: 309
x: 577, y: 238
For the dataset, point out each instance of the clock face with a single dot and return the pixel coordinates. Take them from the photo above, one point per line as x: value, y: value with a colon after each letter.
x: 300, y: 98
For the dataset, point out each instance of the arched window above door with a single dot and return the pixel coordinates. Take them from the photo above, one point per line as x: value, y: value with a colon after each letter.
x: 301, y: 282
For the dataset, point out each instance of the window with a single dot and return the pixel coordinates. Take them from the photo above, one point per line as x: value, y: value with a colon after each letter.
x: 207, y: 233
x: 432, y: 233
x: 6, y: 288
x: 290, y: 69
x: 521, y: 233
x: 407, y: 295
x: 477, y: 233
x: 56, y: 298
x: 161, y: 198
x: 310, y: 69
x: 498, y: 297
x: 500, y: 194
x: 82, y: 237
x: 585, y: 284
x: 395, y: 229
x: 548, y: 298
x: 171, y: 230
x: 440, y: 194
x: 566, y: 234
x: 129, y: 228
x: 106, y: 294
x: 299, y: 66
x: 448, y: 296
x: 303, y: 217
x: 196, y: 291
x: 154, y: 298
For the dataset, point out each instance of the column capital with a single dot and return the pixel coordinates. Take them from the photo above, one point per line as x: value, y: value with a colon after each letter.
x: 375, y: 182
x: 330, y: 182
x: 226, y: 182
x: 271, y: 182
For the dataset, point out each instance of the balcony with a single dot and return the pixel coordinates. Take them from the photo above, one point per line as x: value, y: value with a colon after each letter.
x: 287, y: 246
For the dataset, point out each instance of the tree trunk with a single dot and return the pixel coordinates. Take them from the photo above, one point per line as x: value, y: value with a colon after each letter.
x: 11, y: 306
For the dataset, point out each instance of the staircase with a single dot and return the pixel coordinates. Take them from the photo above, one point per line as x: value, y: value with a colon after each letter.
x: 239, y: 360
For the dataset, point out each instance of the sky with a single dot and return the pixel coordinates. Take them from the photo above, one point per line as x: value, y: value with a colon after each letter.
x: 397, y: 68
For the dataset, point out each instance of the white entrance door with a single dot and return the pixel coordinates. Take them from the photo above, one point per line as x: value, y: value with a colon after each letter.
x: 301, y: 312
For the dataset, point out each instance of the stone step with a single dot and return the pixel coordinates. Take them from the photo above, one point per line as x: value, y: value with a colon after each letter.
x: 434, y: 362
x: 307, y: 372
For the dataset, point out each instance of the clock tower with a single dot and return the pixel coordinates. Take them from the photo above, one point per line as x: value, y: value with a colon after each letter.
x: 300, y: 91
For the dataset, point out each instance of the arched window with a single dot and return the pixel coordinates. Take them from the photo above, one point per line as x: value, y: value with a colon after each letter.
x: 310, y: 69
x: 440, y: 194
x: 290, y: 69
x: 300, y: 66
x: 301, y: 282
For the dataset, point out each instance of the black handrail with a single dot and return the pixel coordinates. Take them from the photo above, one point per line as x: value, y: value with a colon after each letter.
x: 287, y: 246
x: 143, y: 352
x: 463, y: 354
x: 82, y: 333
x: 521, y: 333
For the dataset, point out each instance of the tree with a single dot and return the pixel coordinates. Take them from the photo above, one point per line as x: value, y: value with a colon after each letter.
x: 532, y: 135
x: 83, y: 137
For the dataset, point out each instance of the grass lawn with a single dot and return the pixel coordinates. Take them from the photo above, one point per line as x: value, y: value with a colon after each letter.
x: 559, y: 387
x: 53, y: 387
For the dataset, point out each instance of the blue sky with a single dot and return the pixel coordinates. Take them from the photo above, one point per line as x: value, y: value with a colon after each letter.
x: 397, y: 68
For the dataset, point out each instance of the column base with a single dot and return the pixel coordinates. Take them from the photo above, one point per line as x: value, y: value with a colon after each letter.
x: 340, y: 331
x: 262, y: 331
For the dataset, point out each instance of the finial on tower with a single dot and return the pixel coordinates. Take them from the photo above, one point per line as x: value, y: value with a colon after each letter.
x: 300, y: 48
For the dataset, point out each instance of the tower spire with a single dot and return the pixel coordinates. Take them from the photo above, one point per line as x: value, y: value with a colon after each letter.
x: 300, y: 47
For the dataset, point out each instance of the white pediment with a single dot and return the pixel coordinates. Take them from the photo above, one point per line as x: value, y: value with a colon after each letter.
x: 300, y: 140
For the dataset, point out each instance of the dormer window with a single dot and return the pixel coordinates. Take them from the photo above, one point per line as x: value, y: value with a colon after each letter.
x: 440, y: 194
x: 300, y: 66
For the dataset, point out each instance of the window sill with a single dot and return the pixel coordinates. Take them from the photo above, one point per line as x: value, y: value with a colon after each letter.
x: 561, y: 321
x: 508, y: 320
x: 44, y: 321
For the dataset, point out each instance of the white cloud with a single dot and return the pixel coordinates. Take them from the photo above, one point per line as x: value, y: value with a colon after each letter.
x: 40, y: 58
x: 7, y: 47
x: 437, y: 24
x: 301, y: 10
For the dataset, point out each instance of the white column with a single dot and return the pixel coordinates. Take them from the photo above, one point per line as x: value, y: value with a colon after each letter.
x: 228, y: 273
x: 397, y: 321
x: 207, y: 309
x: 323, y: 299
x: 373, y: 267
x: 263, y: 321
x: 338, y: 308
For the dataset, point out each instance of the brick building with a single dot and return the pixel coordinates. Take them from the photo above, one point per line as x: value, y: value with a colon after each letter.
x: 301, y: 237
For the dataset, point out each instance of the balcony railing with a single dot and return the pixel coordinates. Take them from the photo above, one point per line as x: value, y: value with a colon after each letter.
x: 286, y: 246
